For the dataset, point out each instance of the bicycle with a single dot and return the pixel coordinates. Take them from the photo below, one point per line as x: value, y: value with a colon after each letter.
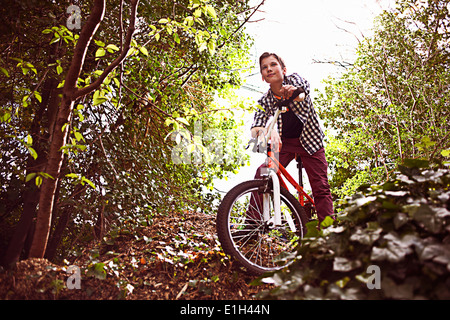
x: 259, y: 222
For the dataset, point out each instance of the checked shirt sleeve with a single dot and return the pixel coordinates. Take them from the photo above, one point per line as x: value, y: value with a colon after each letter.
x: 312, y: 135
x: 261, y: 117
x: 298, y: 81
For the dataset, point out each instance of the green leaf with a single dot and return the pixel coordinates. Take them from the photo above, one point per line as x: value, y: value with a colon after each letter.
x: 38, y: 181
x: 445, y: 153
x: 54, y: 40
x: 210, y: 10
x: 183, y: 120
x: 98, y: 98
x: 33, y: 153
x: 176, y: 38
x: 80, y: 146
x: 89, y: 182
x: 197, y: 13
x: 59, y: 69
x: 99, y: 43
x: 100, y: 52
x: 46, y: 175
x: 212, y: 47
x: 312, y: 230
x: 30, y: 176
x: 144, y: 51
x: 163, y: 21
x: 78, y: 136
x: 98, y: 271
x: 328, y: 221
x: 189, y: 21
x: 38, y: 96
x: 29, y: 140
x: 112, y: 47
x: 4, y: 71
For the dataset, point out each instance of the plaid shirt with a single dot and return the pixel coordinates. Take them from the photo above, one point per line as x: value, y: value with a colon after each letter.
x: 312, y: 135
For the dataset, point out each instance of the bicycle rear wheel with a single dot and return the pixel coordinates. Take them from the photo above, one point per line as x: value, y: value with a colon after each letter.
x: 255, y: 244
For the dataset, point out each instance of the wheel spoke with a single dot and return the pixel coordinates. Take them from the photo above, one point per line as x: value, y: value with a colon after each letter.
x: 245, y: 236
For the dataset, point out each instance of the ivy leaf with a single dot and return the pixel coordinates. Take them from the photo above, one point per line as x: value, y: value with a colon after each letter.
x: 344, y: 265
x: 395, y: 249
x: 98, y: 271
x: 366, y: 236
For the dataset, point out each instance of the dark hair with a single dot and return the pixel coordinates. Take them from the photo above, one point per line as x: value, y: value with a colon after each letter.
x: 268, y: 54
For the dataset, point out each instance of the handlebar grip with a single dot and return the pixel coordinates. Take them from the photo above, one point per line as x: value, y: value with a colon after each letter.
x: 296, y: 93
x: 286, y: 102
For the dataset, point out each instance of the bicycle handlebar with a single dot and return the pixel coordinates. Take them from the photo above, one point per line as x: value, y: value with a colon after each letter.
x: 285, y: 102
x: 261, y: 146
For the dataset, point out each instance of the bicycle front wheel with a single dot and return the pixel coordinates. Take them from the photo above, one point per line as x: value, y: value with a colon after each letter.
x: 257, y: 244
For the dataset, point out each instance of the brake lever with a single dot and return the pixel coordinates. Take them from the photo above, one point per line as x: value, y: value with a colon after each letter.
x: 257, y: 147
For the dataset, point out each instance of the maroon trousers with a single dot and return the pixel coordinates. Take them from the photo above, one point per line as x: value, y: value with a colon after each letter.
x: 316, y: 168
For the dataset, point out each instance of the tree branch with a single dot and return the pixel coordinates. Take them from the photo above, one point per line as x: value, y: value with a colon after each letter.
x: 126, y: 47
x: 242, y: 24
x: 86, y: 35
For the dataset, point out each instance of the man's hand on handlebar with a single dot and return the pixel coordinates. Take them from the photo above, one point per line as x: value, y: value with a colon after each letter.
x: 275, y: 138
x: 287, y: 91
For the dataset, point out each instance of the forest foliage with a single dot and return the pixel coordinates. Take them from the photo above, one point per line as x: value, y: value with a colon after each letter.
x: 389, y: 112
x: 117, y: 156
x: 144, y: 140
x: 392, y: 103
x: 391, y: 241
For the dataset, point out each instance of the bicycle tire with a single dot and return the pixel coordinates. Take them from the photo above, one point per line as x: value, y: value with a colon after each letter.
x: 268, y: 242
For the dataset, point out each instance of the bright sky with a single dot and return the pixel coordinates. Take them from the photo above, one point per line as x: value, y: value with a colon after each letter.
x: 300, y: 32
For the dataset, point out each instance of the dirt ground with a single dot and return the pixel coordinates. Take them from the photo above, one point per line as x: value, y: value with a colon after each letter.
x: 174, y: 258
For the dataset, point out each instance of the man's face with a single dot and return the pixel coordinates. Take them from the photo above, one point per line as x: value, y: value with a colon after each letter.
x: 271, y: 70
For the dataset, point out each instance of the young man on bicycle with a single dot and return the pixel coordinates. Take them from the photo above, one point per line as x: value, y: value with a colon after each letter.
x: 298, y: 131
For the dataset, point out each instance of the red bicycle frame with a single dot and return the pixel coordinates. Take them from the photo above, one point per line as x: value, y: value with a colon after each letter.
x: 281, y: 171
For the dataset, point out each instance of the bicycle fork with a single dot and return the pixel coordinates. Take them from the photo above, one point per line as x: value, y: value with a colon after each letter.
x: 275, y: 220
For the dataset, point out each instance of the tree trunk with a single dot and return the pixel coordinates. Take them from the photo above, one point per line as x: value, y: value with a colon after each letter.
x: 63, y: 220
x: 31, y: 194
x: 17, y: 241
x: 70, y: 94
x: 48, y: 187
